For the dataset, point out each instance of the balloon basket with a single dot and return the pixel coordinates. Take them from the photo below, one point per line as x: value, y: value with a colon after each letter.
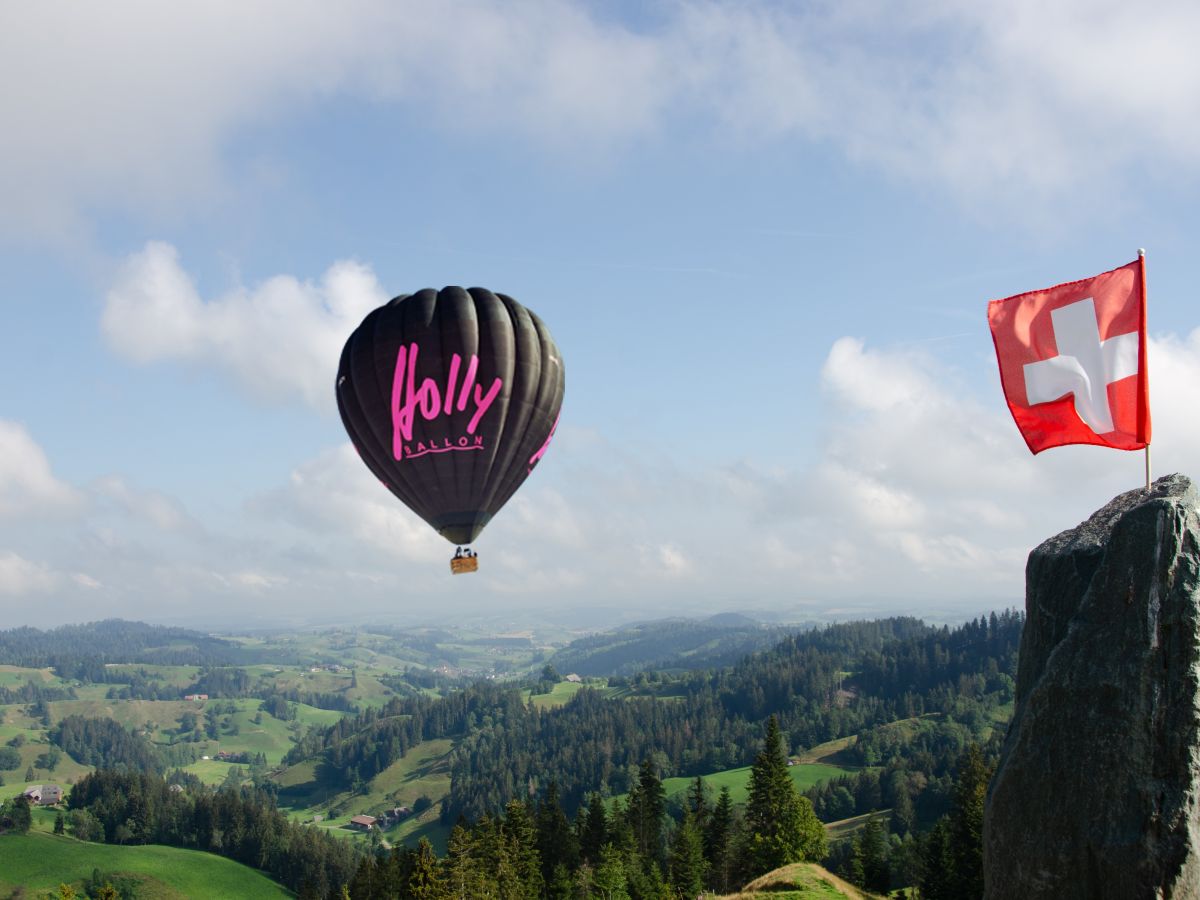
x: 460, y: 565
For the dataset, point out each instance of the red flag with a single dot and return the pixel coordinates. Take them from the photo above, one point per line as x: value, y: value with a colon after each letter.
x: 1073, y: 361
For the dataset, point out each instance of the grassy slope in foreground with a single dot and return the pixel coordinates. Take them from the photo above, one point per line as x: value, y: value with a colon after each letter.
x: 40, y: 861
x: 800, y: 880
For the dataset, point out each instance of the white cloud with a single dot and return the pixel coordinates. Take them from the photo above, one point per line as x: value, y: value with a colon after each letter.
x: 134, y: 107
x: 28, y: 487
x: 20, y: 576
x: 1174, y: 376
x: 336, y: 497
x: 280, y: 339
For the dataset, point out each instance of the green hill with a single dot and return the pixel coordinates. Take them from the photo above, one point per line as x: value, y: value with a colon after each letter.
x: 800, y: 880
x: 38, y: 861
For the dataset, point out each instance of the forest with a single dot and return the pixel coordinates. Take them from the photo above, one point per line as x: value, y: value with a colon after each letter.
x: 909, y: 714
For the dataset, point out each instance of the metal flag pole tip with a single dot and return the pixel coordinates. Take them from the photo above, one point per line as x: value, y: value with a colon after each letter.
x: 1142, y: 256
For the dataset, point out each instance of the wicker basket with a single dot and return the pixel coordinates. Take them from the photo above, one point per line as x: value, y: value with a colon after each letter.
x: 461, y: 564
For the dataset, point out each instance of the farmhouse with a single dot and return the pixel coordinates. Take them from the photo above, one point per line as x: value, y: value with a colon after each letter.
x: 44, y: 794
x: 391, y: 816
x: 574, y: 679
x: 366, y: 823
x: 195, y: 697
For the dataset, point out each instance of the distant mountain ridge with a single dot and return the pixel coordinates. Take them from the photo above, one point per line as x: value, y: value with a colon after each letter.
x: 667, y: 644
x: 115, y: 641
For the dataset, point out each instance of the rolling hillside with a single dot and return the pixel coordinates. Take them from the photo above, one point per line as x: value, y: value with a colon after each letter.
x: 39, y: 861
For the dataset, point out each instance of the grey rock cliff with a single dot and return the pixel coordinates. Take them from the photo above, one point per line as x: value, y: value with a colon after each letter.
x: 1098, y: 786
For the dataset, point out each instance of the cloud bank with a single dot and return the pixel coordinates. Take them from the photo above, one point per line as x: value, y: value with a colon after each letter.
x: 922, y: 498
x: 919, y: 489
x: 280, y: 339
x: 138, y: 107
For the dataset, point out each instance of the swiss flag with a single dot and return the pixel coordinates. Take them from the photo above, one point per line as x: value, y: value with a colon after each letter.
x: 1073, y: 361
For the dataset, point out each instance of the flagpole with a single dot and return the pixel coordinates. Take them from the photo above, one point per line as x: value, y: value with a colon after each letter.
x: 1143, y: 361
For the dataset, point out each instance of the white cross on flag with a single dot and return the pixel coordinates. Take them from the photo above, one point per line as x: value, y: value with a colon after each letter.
x: 1073, y: 361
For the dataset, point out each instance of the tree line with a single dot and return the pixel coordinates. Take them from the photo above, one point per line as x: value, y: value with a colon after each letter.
x: 820, y: 685
x: 629, y: 850
x: 79, y: 652
x: 241, y: 824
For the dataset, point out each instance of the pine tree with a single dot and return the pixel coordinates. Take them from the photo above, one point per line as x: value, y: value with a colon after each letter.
x: 463, y: 869
x: 521, y: 833
x: 424, y: 881
x: 16, y: 815
x: 647, y: 806
x: 555, y: 839
x: 966, y: 822
x: 718, y: 842
x: 594, y: 834
x: 874, y: 849
x: 937, y: 881
x: 781, y: 826
x: 609, y: 881
x: 697, y: 801
x: 687, y: 864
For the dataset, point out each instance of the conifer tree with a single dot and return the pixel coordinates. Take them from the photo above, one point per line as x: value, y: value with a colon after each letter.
x: 464, y: 877
x: 521, y: 835
x: 687, y: 863
x: 609, y: 881
x: 937, y: 881
x: 873, y: 847
x: 718, y: 842
x: 647, y: 806
x: 16, y: 815
x: 424, y: 880
x: 781, y: 826
x: 697, y: 801
x: 555, y: 839
x: 966, y: 822
x: 594, y: 833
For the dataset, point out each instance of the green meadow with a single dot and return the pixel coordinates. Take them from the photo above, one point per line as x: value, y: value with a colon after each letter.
x: 844, y: 828
x: 559, y: 695
x: 39, y: 861
x: 804, y: 776
x: 422, y: 772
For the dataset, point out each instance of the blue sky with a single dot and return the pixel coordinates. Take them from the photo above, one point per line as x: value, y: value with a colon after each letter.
x: 763, y: 235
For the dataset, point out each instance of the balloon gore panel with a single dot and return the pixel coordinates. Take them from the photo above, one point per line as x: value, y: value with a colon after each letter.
x: 451, y: 398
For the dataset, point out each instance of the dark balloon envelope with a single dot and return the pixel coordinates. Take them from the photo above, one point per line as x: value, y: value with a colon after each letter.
x: 451, y: 398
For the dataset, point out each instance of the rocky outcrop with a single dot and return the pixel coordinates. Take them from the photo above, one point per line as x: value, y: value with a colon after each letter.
x: 1097, y: 791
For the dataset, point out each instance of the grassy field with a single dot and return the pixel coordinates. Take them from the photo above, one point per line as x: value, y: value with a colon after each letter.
x: 176, y: 676
x: 738, y: 780
x: 36, y: 743
x: 844, y: 828
x: 562, y: 692
x: 422, y: 772
x: 829, y: 752
x: 15, y: 676
x: 39, y: 861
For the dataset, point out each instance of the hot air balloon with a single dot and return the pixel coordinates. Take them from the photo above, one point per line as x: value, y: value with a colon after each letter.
x: 451, y: 398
